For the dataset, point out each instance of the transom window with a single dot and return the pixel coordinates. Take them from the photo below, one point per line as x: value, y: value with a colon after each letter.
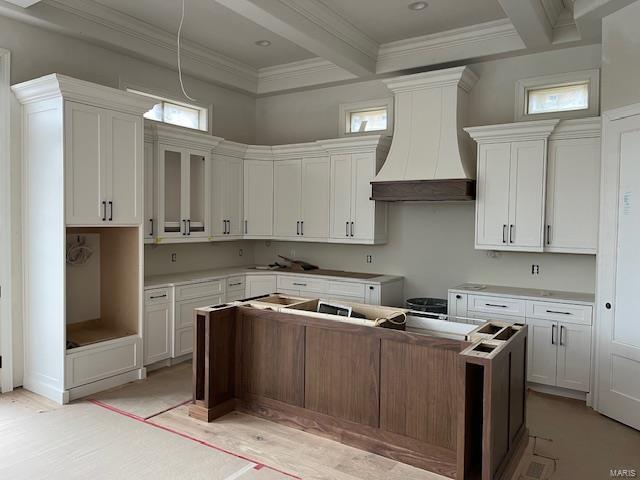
x: 371, y: 116
x: 560, y: 98
x: 176, y: 113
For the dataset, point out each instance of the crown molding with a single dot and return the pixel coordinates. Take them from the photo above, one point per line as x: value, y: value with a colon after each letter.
x: 231, y: 149
x: 462, y: 77
x: 590, y: 127
x: 361, y: 144
x: 259, y: 152
x: 520, y: 131
x: 480, y: 40
x: 297, y: 150
x: 182, y: 137
x: 305, y: 73
x: 56, y: 85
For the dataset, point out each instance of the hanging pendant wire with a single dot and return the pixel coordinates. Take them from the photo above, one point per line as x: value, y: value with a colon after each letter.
x: 184, y: 92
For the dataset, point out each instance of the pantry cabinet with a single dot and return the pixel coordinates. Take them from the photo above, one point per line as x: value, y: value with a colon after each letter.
x: 258, y: 193
x: 104, y: 166
x: 228, y: 191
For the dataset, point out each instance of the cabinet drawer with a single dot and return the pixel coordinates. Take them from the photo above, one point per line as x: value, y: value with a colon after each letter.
x: 197, y: 290
x: 563, y: 312
x: 346, y: 289
x: 497, y: 305
x: 305, y: 285
x: 235, y: 283
x: 184, y: 310
x: 157, y: 296
x: 183, y: 343
x: 102, y: 360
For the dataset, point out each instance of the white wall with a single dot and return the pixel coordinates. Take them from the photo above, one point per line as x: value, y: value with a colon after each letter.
x: 430, y: 245
x: 621, y: 57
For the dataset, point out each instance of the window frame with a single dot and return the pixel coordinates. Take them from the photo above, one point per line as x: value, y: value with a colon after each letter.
x: 346, y: 109
x: 205, y: 111
x: 591, y: 77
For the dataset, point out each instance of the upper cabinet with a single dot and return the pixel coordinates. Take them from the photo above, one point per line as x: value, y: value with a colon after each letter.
x: 258, y: 192
x: 573, y: 186
x: 228, y: 180
x: 354, y: 163
x: 183, y: 184
x: 301, y: 193
x: 150, y: 222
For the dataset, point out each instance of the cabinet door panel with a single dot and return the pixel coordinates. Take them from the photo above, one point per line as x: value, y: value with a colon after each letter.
x: 260, y: 285
x: 235, y: 192
x: 574, y: 356
x: 341, y: 192
x: 258, y: 197
x: 286, y: 198
x: 149, y: 222
x: 170, y: 191
x: 527, y: 194
x: 362, y: 207
x: 85, y: 158
x: 492, y: 203
x: 573, y: 185
x: 125, y: 168
x: 198, y: 188
x: 219, y: 194
x: 542, y: 349
x: 157, y: 332
x: 315, y: 197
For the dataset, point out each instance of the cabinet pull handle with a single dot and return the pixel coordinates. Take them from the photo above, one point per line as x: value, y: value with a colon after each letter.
x: 548, y: 234
x: 495, y: 305
x: 504, y: 233
x: 246, y: 227
x: 352, y: 229
x: 189, y: 227
x: 300, y: 284
x: 511, y: 233
x: 301, y: 227
x: 235, y: 284
x: 553, y: 334
x: 347, y: 229
x: 110, y: 211
x: 228, y: 227
x: 104, y: 211
x: 561, y: 331
x: 184, y: 227
x: 558, y: 312
x: 158, y: 296
x: 298, y: 228
x: 151, y: 222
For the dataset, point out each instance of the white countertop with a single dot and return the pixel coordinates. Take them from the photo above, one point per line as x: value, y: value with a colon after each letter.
x: 526, y: 293
x: 173, y: 279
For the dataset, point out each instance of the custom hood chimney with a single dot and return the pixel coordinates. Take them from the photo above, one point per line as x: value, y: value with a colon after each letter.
x: 431, y: 157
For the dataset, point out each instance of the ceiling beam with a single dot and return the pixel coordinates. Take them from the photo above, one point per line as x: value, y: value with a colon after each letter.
x: 588, y: 15
x: 530, y: 20
x: 23, y: 3
x: 314, y: 27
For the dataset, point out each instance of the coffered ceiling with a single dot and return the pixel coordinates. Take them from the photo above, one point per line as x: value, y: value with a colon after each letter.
x: 314, y: 42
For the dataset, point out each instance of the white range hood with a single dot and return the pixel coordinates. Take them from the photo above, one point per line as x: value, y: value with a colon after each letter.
x: 431, y: 157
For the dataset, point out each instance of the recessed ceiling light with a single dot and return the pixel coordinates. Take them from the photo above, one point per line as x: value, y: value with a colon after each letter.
x: 263, y: 43
x: 417, y: 6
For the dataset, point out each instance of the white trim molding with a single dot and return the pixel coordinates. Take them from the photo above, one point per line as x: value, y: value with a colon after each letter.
x: 6, y: 318
x: 592, y: 77
x: 304, y: 73
x: 347, y: 108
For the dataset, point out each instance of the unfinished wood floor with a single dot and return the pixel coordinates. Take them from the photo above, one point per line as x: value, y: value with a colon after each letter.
x: 573, y: 441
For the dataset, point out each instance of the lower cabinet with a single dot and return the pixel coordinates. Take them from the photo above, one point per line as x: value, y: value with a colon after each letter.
x: 183, y: 335
x: 158, y: 325
x: 257, y: 285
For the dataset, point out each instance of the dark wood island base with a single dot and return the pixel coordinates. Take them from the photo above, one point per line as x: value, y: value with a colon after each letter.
x: 452, y: 407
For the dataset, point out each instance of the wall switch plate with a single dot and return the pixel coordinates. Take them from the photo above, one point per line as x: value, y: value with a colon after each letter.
x: 369, y: 259
x: 240, y: 252
x: 174, y: 257
x: 535, y: 269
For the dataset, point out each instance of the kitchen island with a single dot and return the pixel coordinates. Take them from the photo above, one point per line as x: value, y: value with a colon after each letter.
x: 454, y: 407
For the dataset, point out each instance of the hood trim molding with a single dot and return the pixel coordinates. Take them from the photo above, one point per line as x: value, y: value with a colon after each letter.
x: 445, y: 190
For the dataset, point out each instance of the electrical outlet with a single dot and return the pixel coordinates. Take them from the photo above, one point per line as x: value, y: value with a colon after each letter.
x: 174, y: 257
x: 240, y: 252
x: 535, y: 269
x: 369, y: 259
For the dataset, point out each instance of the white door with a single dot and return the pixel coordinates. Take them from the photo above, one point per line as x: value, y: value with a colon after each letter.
x: 287, y: 189
x: 341, y: 194
x: 125, y: 165
x: 542, y: 347
x: 527, y: 194
x: 574, y: 356
x: 149, y: 223
x: 85, y: 164
x: 258, y: 198
x: 492, y: 202
x: 157, y: 332
x: 234, y: 195
x: 573, y: 187
x: 363, y: 209
x: 315, y: 198
x: 618, y: 356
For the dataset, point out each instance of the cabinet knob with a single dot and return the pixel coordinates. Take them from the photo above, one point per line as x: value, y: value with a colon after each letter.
x: 607, y: 306
x: 458, y: 297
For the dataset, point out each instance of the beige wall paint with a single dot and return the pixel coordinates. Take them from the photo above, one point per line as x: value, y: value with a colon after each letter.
x: 621, y: 58
x: 36, y: 52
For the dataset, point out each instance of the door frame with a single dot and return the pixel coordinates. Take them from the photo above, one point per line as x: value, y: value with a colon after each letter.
x: 6, y: 319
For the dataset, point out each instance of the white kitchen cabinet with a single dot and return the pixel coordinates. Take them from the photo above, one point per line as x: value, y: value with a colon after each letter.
x: 104, y: 166
x: 183, y: 321
x: 287, y: 194
x: 573, y: 187
x: 457, y: 307
x: 257, y: 285
x: 149, y: 223
x: 258, y: 193
x: 542, y: 351
x: 511, y: 183
x: 236, y: 288
x: 228, y: 221
x: 158, y: 326
x: 574, y: 356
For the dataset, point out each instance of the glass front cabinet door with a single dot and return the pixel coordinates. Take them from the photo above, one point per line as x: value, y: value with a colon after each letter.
x: 183, y: 193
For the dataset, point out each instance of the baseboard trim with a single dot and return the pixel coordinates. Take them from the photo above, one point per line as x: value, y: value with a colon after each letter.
x: 558, y: 391
x: 105, y: 384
